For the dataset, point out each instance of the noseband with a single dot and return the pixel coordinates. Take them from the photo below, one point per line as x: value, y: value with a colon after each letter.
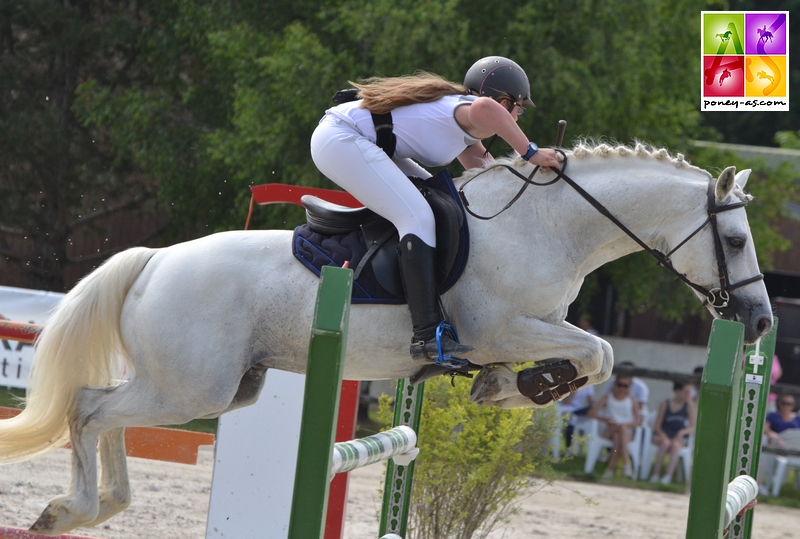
x: 718, y: 298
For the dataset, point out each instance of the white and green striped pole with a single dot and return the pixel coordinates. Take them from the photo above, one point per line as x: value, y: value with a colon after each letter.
x: 398, y: 444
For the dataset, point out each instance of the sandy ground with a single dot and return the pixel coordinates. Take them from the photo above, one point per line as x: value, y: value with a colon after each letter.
x: 171, y: 500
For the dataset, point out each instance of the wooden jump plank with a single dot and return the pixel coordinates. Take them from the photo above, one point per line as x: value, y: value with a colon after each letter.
x: 7, y: 532
x: 154, y: 443
x: 19, y: 331
x: 281, y: 193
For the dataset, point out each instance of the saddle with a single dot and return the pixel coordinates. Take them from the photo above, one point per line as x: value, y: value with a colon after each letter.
x: 335, y: 234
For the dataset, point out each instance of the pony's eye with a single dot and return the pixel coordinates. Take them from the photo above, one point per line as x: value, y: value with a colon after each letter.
x: 736, y: 243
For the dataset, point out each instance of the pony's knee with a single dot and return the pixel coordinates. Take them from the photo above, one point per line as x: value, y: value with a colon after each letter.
x: 607, y: 361
x: 602, y: 362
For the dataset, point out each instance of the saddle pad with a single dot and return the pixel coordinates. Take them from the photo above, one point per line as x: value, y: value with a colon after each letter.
x: 315, y: 250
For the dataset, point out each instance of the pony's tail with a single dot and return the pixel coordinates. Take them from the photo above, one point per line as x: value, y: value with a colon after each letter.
x: 79, y: 346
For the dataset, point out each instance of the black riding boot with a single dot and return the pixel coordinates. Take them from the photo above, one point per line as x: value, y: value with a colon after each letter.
x: 417, y: 269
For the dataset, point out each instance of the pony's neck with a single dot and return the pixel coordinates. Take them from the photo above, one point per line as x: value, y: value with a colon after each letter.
x: 654, y: 200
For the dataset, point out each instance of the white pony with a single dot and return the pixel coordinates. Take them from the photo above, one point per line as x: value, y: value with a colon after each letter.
x: 163, y: 336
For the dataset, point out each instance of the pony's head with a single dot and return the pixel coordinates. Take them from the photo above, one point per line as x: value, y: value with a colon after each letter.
x: 718, y: 258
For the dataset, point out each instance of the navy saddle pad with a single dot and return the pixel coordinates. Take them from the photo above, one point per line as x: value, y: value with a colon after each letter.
x: 336, y: 234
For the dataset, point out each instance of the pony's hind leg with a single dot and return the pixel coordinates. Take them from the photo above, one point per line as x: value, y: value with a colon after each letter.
x: 103, y: 413
x: 80, y: 506
x: 114, y: 493
x: 249, y: 389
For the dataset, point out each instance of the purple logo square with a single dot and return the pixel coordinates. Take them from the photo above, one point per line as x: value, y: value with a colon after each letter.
x: 765, y: 33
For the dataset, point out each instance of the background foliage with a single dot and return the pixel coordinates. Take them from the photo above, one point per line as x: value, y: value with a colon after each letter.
x: 176, y: 107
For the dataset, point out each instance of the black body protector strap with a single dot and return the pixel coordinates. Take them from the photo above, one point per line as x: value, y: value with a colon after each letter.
x: 385, y: 138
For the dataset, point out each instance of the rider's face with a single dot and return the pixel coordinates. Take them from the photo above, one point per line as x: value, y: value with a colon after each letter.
x: 515, y: 109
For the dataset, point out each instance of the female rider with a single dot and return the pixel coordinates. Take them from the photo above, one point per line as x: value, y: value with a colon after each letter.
x: 434, y: 121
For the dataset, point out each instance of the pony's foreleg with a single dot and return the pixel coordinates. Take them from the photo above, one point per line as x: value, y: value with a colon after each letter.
x: 80, y: 506
x: 570, y: 358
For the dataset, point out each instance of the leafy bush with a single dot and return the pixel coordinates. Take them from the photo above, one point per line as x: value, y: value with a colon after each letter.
x: 474, y: 462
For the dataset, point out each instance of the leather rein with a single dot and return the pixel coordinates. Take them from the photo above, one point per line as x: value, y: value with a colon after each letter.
x: 718, y: 298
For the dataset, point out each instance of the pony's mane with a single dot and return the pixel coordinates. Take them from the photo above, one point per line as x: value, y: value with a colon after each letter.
x: 587, y: 148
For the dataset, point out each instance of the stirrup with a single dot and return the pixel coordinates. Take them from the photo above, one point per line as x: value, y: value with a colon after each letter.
x: 451, y: 362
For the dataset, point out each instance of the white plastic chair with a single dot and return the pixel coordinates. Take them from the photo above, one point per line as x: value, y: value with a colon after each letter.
x: 595, y: 443
x: 649, y: 450
x: 580, y: 427
x: 791, y: 439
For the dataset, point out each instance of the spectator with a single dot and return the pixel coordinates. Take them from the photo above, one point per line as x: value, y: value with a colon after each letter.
x: 577, y: 404
x: 586, y: 323
x: 620, y: 412
x: 784, y: 419
x: 695, y: 388
x: 639, y: 390
x: 675, y: 420
x: 777, y: 372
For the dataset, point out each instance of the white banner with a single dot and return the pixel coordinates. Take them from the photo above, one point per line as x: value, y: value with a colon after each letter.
x: 21, y: 305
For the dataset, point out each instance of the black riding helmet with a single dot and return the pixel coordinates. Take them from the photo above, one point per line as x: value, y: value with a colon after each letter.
x: 498, y: 77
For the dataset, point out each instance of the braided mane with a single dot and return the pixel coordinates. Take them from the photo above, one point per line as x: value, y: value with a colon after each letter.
x: 586, y: 148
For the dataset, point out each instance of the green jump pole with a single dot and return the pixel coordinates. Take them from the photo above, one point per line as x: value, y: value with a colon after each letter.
x: 321, y: 403
x: 399, y: 479
x: 715, y: 431
x: 752, y: 414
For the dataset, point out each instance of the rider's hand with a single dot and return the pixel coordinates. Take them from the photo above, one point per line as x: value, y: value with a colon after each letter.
x: 545, y: 157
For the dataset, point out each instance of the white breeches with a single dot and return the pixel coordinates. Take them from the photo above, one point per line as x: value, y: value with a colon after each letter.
x: 360, y: 167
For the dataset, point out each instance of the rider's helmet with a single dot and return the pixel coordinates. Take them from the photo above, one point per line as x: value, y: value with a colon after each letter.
x: 498, y: 77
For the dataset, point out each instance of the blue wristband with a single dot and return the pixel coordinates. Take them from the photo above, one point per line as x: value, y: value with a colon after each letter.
x: 532, y: 149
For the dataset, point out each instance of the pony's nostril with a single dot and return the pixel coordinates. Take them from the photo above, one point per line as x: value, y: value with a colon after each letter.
x: 763, y: 326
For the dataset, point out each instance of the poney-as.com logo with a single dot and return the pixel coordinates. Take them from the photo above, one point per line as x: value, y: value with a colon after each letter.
x: 745, y: 58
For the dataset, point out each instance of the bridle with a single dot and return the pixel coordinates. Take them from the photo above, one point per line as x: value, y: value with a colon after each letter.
x: 717, y: 298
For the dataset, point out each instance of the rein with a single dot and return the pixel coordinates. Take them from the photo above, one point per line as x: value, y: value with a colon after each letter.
x: 712, y: 296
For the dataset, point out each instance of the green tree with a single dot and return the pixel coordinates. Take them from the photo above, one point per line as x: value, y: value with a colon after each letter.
x: 56, y: 178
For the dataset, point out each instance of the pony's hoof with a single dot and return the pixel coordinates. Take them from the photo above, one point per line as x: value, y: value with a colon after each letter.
x: 56, y: 520
x: 493, y: 384
x: 44, y: 524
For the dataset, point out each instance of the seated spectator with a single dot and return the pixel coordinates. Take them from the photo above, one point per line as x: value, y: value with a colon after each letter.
x: 776, y: 374
x: 586, y: 323
x: 785, y: 418
x: 577, y: 405
x: 695, y: 388
x: 776, y: 422
x: 639, y: 391
x: 620, y: 412
x: 674, y: 422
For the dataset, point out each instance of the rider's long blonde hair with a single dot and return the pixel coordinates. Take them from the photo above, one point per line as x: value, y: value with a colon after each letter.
x: 384, y: 94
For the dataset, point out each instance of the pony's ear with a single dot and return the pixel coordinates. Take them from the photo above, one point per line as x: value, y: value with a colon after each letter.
x: 725, y: 184
x: 741, y: 178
